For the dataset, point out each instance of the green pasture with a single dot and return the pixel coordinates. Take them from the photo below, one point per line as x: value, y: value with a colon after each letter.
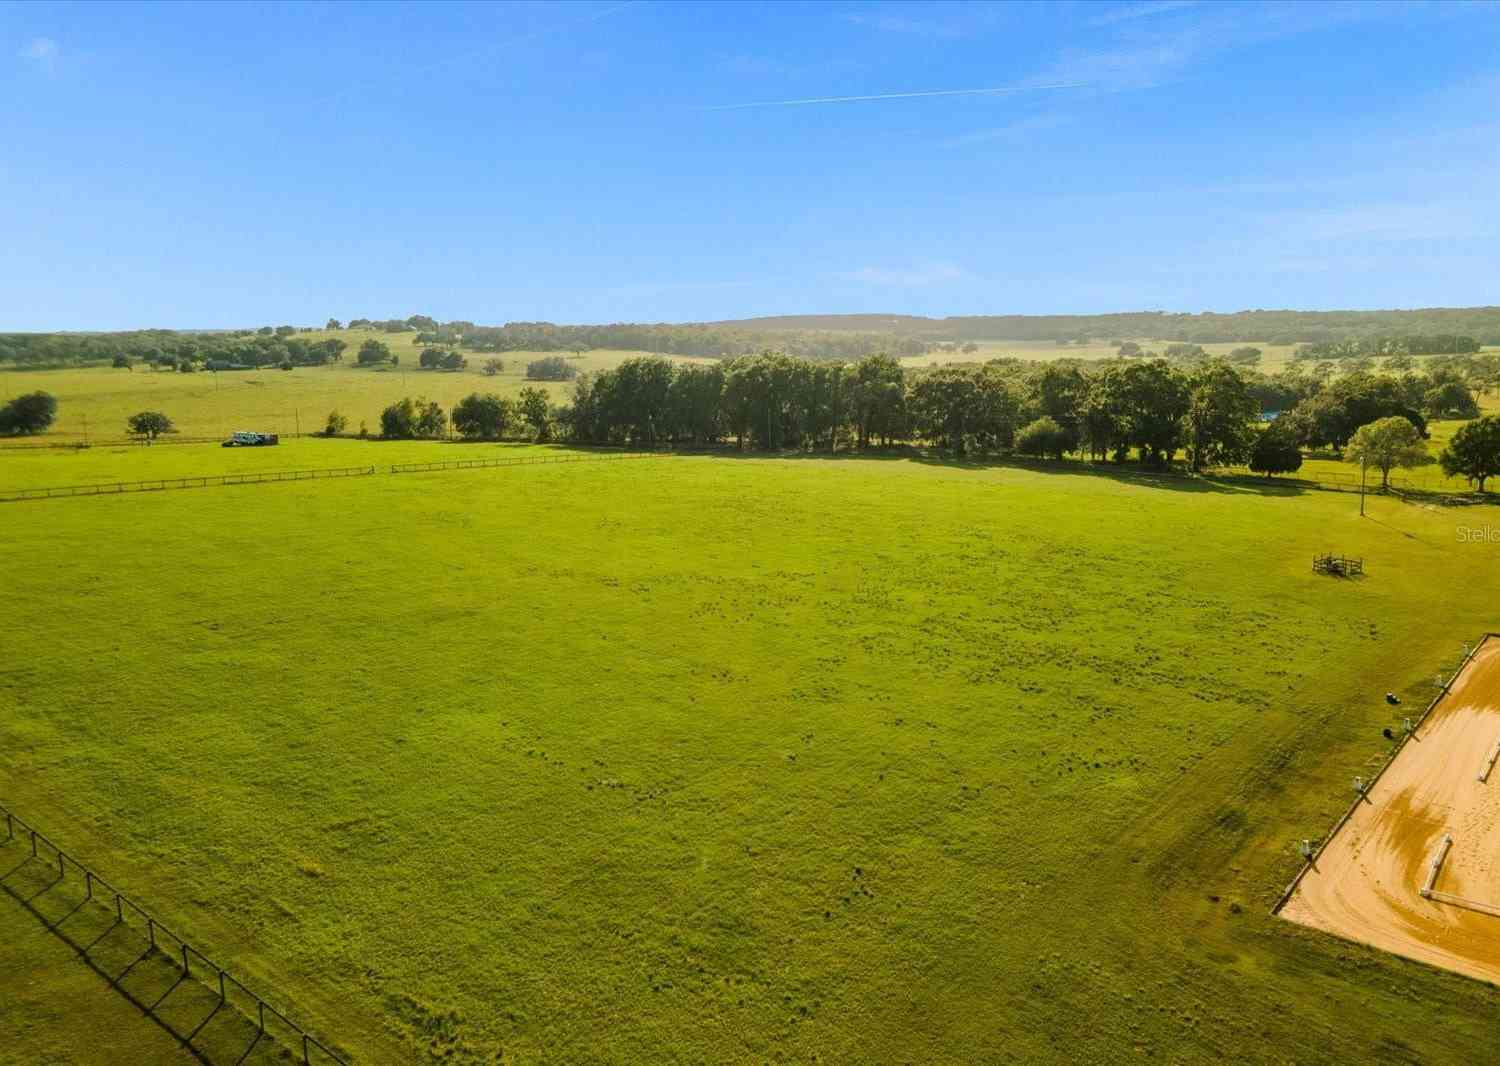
x: 57, y: 1008
x: 54, y: 1009
x: 98, y: 400
x: 723, y: 759
x: 27, y: 467
x: 108, y: 464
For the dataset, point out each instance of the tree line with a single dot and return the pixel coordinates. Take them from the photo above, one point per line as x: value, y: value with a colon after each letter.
x: 166, y: 350
x: 1210, y: 413
x: 774, y: 401
x: 714, y: 341
x: 1324, y: 334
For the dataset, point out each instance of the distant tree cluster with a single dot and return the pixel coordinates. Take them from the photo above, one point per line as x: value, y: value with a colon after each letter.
x: 29, y: 414
x: 373, y: 352
x: 1268, y: 327
x: 721, y: 340
x: 149, y: 425
x: 478, y: 416
x: 389, y: 325
x: 551, y: 368
x: 1335, y: 335
x: 166, y: 350
x: 1388, y: 347
x: 413, y: 419
x: 441, y: 359
x: 1325, y: 412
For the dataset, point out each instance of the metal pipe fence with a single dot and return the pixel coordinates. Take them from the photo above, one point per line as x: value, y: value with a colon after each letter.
x: 1311, y: 860
x: 271, y: 1023
x: 520, y: 460
x: 162, y: 484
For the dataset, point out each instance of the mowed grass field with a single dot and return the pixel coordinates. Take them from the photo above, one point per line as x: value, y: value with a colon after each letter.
x: 718, y: 759
x: 115, y: 463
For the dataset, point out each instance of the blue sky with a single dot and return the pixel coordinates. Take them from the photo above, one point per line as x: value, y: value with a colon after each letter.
x: 224, y: 165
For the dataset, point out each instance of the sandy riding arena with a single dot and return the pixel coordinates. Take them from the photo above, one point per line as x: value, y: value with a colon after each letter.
x: 1436, y: 810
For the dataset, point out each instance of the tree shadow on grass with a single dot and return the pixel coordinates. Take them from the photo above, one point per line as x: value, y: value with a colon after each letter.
x: 1124, y: 473
x: 140, y: 972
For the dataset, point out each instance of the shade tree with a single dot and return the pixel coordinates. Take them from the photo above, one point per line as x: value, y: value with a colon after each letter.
x: 28, y: 414
x: 1474, y: 451
x: 1386, y: 444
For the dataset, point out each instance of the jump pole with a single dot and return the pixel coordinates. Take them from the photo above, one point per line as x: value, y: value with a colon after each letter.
x: 1489, y: 762
x: 1437, y: 864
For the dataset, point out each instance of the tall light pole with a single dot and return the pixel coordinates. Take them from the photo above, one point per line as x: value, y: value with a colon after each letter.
x: 1363, y: 461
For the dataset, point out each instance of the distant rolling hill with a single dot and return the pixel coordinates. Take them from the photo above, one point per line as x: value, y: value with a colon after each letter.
x: 1276, y: 327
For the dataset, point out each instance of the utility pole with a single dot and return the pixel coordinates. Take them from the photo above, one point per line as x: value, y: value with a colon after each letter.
x: 1364, y: 460
x: 85, y: 431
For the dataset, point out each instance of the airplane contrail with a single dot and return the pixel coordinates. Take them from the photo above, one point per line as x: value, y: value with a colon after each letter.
x: 897, y: 96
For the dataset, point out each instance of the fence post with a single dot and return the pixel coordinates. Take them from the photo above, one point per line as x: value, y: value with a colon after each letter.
x: 186, y: 969
x: 151, y: 932
x: 119, y: 909
x: 10, y: 832
x: 221, y: 986
x: 62, y: 869
x: 33, y: 843
x: 88, y: 882
x: 306, y: 1060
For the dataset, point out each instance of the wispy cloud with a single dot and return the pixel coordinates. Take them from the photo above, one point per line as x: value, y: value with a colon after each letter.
x: 1011, y: 131
x: 1143, y: 54
x: 900, y: 24
x: 1140, y: 11
x: 929, y: 19
x: 1001, y: 91
x: 40, y: 50
x: 919, y: 274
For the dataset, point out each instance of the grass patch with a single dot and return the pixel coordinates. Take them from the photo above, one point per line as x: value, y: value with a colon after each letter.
x: 737, y: 759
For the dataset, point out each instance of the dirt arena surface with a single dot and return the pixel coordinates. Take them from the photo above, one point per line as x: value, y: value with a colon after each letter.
x: 1365, y: 885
